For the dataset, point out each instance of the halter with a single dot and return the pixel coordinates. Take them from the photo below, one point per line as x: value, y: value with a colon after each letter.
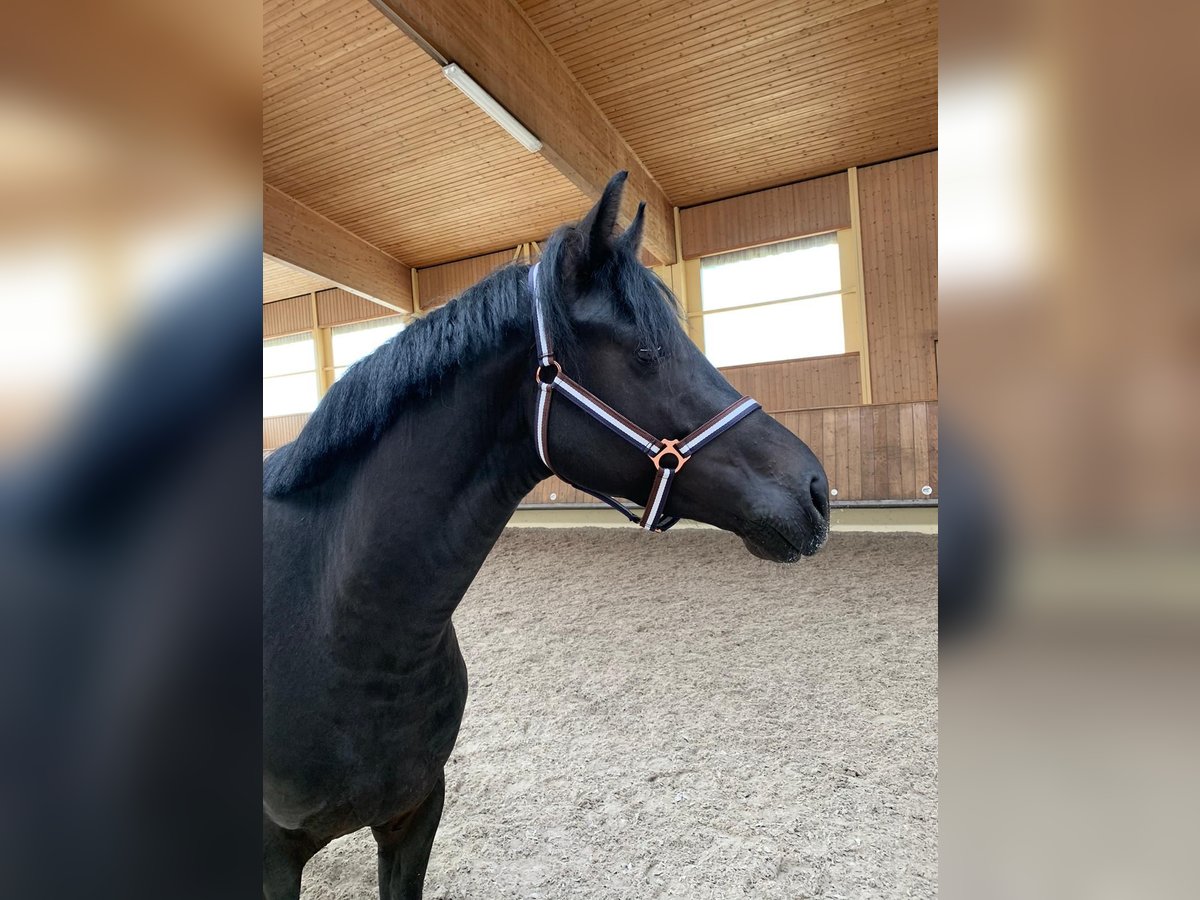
x: 668, y: 456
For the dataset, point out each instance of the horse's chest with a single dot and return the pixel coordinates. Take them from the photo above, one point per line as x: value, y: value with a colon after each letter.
x: 393, y: 723
x: 383, y: 741
x: 415, y: 717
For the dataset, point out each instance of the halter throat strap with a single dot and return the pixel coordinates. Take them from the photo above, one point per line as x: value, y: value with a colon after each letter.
x: 668, y: 456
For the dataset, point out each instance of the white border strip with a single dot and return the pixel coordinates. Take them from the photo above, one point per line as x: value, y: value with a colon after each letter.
x: 543, y: 399
x: 663, y: 485
x: 742, y: 409
x: 543, y: 345
x: 615, y: 424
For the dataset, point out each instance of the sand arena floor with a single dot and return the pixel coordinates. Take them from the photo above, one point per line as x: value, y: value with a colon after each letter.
x: 669, y: 717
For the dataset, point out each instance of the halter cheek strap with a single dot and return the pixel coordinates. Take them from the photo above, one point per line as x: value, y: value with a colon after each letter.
x: 668, y: 456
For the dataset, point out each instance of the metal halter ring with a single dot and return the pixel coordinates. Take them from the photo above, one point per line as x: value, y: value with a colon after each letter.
x: 671, y: 447
x: 537, y: 373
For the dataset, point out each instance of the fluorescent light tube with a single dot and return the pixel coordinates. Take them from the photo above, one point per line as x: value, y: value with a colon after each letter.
x: 488, y: 104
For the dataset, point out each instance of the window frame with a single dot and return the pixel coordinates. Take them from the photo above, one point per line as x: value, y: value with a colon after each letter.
x: 698, y: 316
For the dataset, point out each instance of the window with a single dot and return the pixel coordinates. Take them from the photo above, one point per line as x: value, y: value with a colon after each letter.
x: 289, y: 375
x: 777, y: 302
x: 351, y: 343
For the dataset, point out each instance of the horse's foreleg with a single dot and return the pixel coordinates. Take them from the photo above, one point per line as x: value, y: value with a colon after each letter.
x: 284, y: 855
x: 404, y: 846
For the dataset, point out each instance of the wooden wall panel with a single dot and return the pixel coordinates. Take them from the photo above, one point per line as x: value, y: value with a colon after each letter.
x: 898, y: 214
x: 438, y: 284
x: 882, y: 452
x: 287, y: 316
x: 334, y: 307
x: 800, y: 383
x: 778, y: 214
x: 563, y: 493
x: 279, y: 430
x: 338, y: 307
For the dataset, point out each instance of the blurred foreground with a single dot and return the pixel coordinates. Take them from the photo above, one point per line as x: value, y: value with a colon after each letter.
x: 1069, y: 369
x: 130, y: 266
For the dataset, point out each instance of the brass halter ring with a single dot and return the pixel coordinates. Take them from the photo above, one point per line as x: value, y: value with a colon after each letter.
x: 671, y: 447
x: 537, y: 372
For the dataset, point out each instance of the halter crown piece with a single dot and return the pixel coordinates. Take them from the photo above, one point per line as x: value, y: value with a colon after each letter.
x: 668, y: 456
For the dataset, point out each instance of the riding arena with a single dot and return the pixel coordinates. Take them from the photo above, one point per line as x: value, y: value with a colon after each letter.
x: 600, y: 450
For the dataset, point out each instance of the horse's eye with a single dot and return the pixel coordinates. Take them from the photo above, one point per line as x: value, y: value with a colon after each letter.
x: 649, y: 355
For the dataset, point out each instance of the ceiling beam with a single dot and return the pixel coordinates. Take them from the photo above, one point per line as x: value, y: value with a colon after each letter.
x: 306, y: 240
x: 282, y: 282
x: 509, y: 59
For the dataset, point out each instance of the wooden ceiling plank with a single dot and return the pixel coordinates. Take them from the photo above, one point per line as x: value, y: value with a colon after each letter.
x: 294, y: 234
x: 355, y: 36
x: 355, y: 197
x: 776, y: 57
x: 429, y: 247
x: 286, y: 39
x: 737, y: 25
x: 553, y: 16
x: 398, y: 189
x: 373, y: 50
x: 815, y: 164
x: 362, y: 57
x: 843, y: 105
x: 283, y: 13
x: 829, y: 152
x: 510, y: 60
x: 316, y: 176
x: 757, y: 110
x: 747, y: 24
x: 739, y: 146
x: 825, y: 128
x: 369, y: 138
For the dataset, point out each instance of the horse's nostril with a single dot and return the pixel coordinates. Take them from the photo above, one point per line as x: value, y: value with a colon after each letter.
x: 818, y: 489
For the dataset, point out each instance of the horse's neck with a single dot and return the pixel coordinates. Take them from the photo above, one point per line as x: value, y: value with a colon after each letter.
x: 432, y: 498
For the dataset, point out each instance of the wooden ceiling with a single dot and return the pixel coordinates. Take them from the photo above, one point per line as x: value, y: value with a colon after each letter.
x: 360, y: 125
x: 722, y: 97
x: 715, y: 97
x: 281, y: 281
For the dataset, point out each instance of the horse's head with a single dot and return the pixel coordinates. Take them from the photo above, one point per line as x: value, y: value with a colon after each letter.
x: 627, y: 346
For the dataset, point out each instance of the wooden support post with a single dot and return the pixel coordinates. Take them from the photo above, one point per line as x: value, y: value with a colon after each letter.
x: 686, y: 284
x: 855, y: 246
x: 322, y: 348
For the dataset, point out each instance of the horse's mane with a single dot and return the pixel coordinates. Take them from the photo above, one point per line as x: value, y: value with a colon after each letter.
x: 374, y: 391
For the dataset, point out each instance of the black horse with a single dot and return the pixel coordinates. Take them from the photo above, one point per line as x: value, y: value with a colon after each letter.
x: 377, y: 517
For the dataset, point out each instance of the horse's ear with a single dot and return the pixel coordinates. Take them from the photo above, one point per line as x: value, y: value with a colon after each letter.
x: 597, y: 225
x: 631, y: 240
